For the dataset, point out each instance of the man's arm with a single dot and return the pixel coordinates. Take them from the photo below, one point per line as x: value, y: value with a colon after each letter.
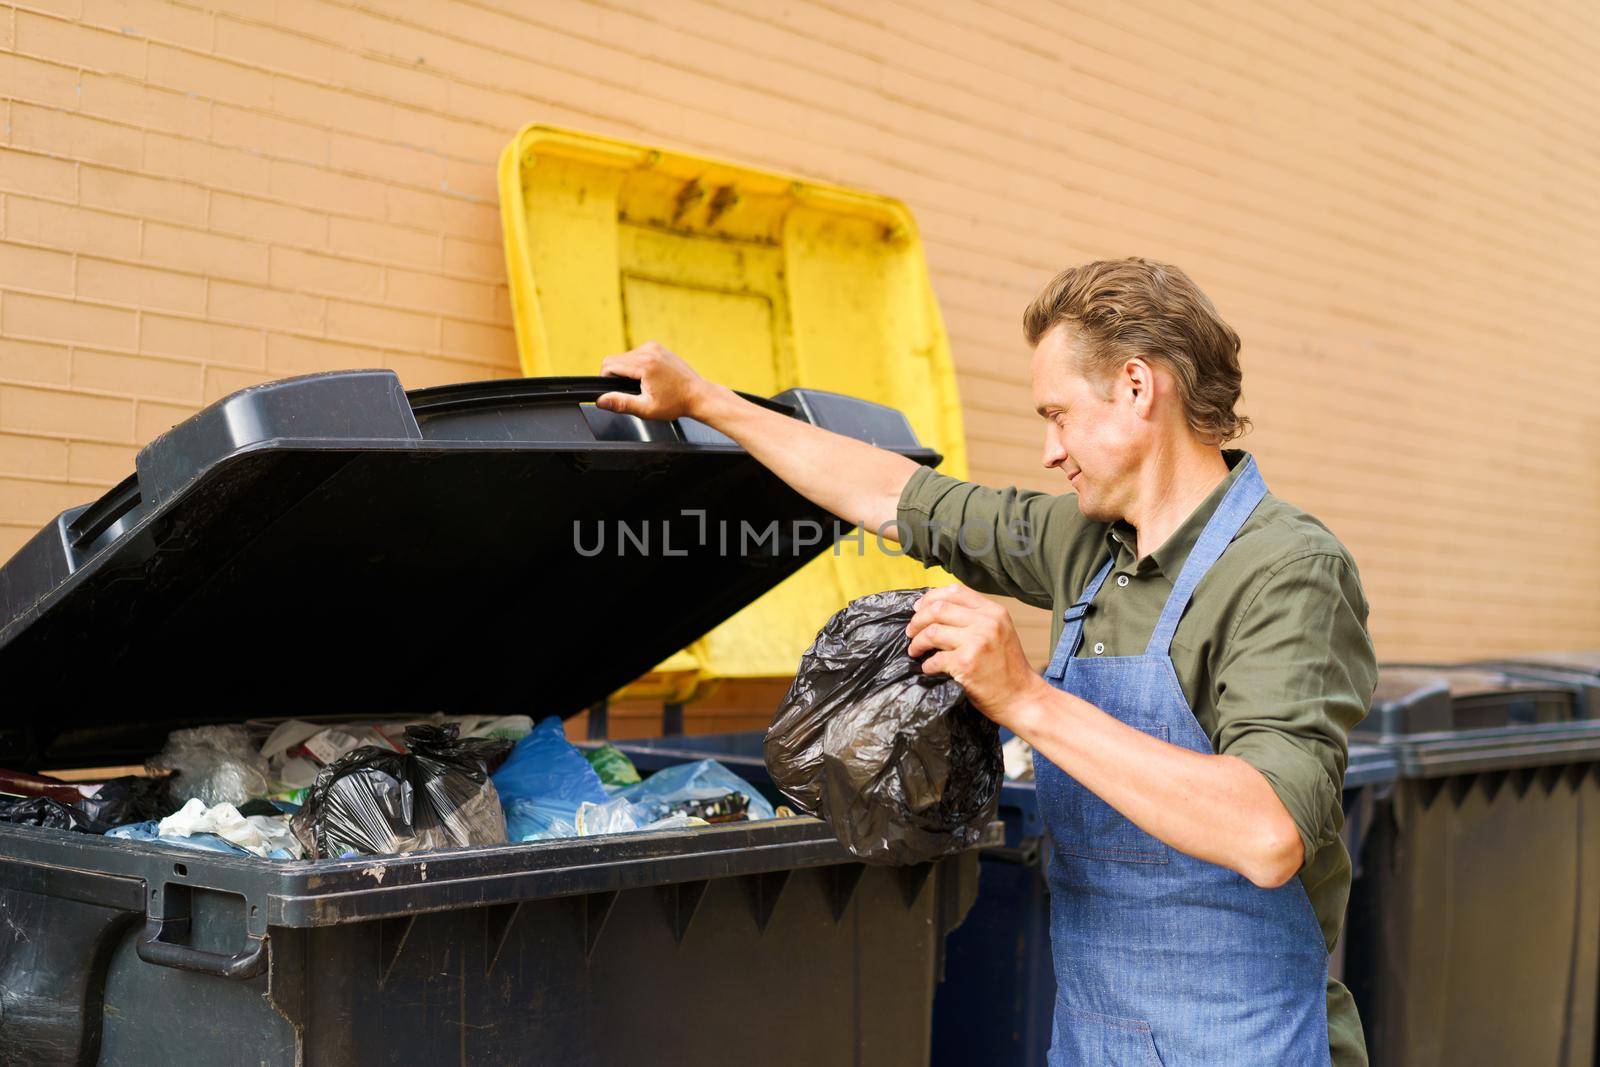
x: 1261, y: 812
x: 851, y: 479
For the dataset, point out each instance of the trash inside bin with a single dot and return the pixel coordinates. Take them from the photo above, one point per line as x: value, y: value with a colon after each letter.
x: 334, y: 549
x: 997, y: 997
x: 1475, y: 929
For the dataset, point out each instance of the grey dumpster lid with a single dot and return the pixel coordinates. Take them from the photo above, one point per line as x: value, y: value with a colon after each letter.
x: 334, y: 545
x: 1447, y: 719
x: 1369, y: 765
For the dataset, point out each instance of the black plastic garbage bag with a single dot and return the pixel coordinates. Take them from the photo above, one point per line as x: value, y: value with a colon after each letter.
x: 898, y: 762
x: 375, y: 802
x: 129, y: 799
x: 43, y: 811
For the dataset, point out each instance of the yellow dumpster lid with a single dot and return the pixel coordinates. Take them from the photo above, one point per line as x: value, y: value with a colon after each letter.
x: 761, y: 281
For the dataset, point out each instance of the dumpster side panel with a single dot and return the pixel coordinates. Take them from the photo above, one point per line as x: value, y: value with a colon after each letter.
x: 1474, y: 928
x: 823, y: 965
x: 53, y: 958
x: 616, y: 979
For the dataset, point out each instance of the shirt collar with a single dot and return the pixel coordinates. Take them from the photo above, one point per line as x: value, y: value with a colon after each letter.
x: 1169, y: 558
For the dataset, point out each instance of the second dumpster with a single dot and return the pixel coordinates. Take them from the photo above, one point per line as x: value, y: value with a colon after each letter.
x: 1475, y: 928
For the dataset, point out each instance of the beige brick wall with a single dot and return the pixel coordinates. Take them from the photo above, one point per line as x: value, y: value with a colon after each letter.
x: 1393, y: 204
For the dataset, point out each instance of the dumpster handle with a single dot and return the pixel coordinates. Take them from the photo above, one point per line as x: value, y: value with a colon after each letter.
x: 442, y: 398
x: 153, y: 947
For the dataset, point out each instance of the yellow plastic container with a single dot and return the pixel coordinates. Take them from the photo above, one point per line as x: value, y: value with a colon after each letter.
x: 762, y: 282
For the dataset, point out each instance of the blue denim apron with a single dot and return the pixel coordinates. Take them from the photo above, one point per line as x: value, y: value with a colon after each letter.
x: 1161, y: 959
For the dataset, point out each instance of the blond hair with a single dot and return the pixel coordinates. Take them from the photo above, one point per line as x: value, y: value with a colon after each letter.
x: 1135, y: 307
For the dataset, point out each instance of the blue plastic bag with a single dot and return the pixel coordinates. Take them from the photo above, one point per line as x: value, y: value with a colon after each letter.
x: 704, y: 780
x: 146, y: 831
x: 542, y: 783
x: 532, y: 819
x: 546, y: 766
x: 658, y: 801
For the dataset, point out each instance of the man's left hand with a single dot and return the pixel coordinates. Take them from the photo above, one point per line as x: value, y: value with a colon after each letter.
x: 974, y: 641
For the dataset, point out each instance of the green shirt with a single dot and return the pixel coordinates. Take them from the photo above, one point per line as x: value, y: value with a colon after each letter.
x: 1273, y: 652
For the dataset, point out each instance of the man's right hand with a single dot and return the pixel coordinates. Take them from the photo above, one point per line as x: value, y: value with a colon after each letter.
x: 849, y: 478
x: 668, y: 387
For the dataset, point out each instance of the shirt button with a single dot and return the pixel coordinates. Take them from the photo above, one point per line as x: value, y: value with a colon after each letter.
x: 1122, y: 579
x: 1099, y: 648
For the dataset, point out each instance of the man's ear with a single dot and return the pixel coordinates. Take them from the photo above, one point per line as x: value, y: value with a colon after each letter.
x: 1139, y: 378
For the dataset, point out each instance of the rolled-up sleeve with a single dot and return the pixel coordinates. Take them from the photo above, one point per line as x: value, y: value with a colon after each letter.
x: 1002, y: 541
x: 1297, y: 673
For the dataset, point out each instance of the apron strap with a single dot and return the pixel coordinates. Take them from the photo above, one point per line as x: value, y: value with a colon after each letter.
x: 1072, y: 629
x: 1236, y: 507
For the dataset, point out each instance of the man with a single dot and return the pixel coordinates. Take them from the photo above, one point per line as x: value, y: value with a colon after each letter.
x: 1212, y: 655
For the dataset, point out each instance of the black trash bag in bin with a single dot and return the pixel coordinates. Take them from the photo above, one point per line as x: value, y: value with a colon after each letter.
x: 898, y: 762
x: 375, y: 802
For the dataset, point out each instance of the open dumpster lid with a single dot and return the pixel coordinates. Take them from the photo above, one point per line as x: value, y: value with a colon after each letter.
x: 335, y: 545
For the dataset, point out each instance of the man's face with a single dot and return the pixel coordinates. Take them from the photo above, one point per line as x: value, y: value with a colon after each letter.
x: 1093, y: 432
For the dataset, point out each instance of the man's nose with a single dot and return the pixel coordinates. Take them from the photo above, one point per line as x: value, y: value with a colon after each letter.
x: 1054, y: 453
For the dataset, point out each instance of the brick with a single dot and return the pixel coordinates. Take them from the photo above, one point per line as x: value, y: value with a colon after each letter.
x: 405, y: 83
x: 215, y: 79
x: 476, y: 180
x: 50, y: 411
x: 224, y: 381
x: 275, y: 49
x: 379, y: 159
x: 269, y: 135
x: 333, y: 275
x: 288, y: 354
x: 154, y: 418
x: 35, y: 268
x: 39, y: 82
x: 477, y: 259
x: 100, y: 279
x: 135, y: 194
x: 200, y: 340
x: 208, y: 164
x: 299, y: 99
x: 26, y: 173
x: 89, y: 463
x: 423, y: 372
x: 80, y: 46
x: 138, y: 105
x: 383, y: 325
x: 33, y: 457
x: 263, y: 219
x: 490, y: 344
x: 75, y: 136
x: 265, y: 307
x: 45, y: 318
x: 46, y: 223
x: 112, y: 372
x: 38, y: 502
x: 316, y: 187
x: 434, y: 292
x: 205, y: 253
x: 152, y: 20
x: 384, y: 242
x: 447, y: 214
x: 31, y: 361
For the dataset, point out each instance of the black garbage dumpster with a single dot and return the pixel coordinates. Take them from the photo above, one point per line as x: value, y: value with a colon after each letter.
x: 332, y: 546
x: 996, y: 1001
x: 1567, y: 668
x: 1474, y: 930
